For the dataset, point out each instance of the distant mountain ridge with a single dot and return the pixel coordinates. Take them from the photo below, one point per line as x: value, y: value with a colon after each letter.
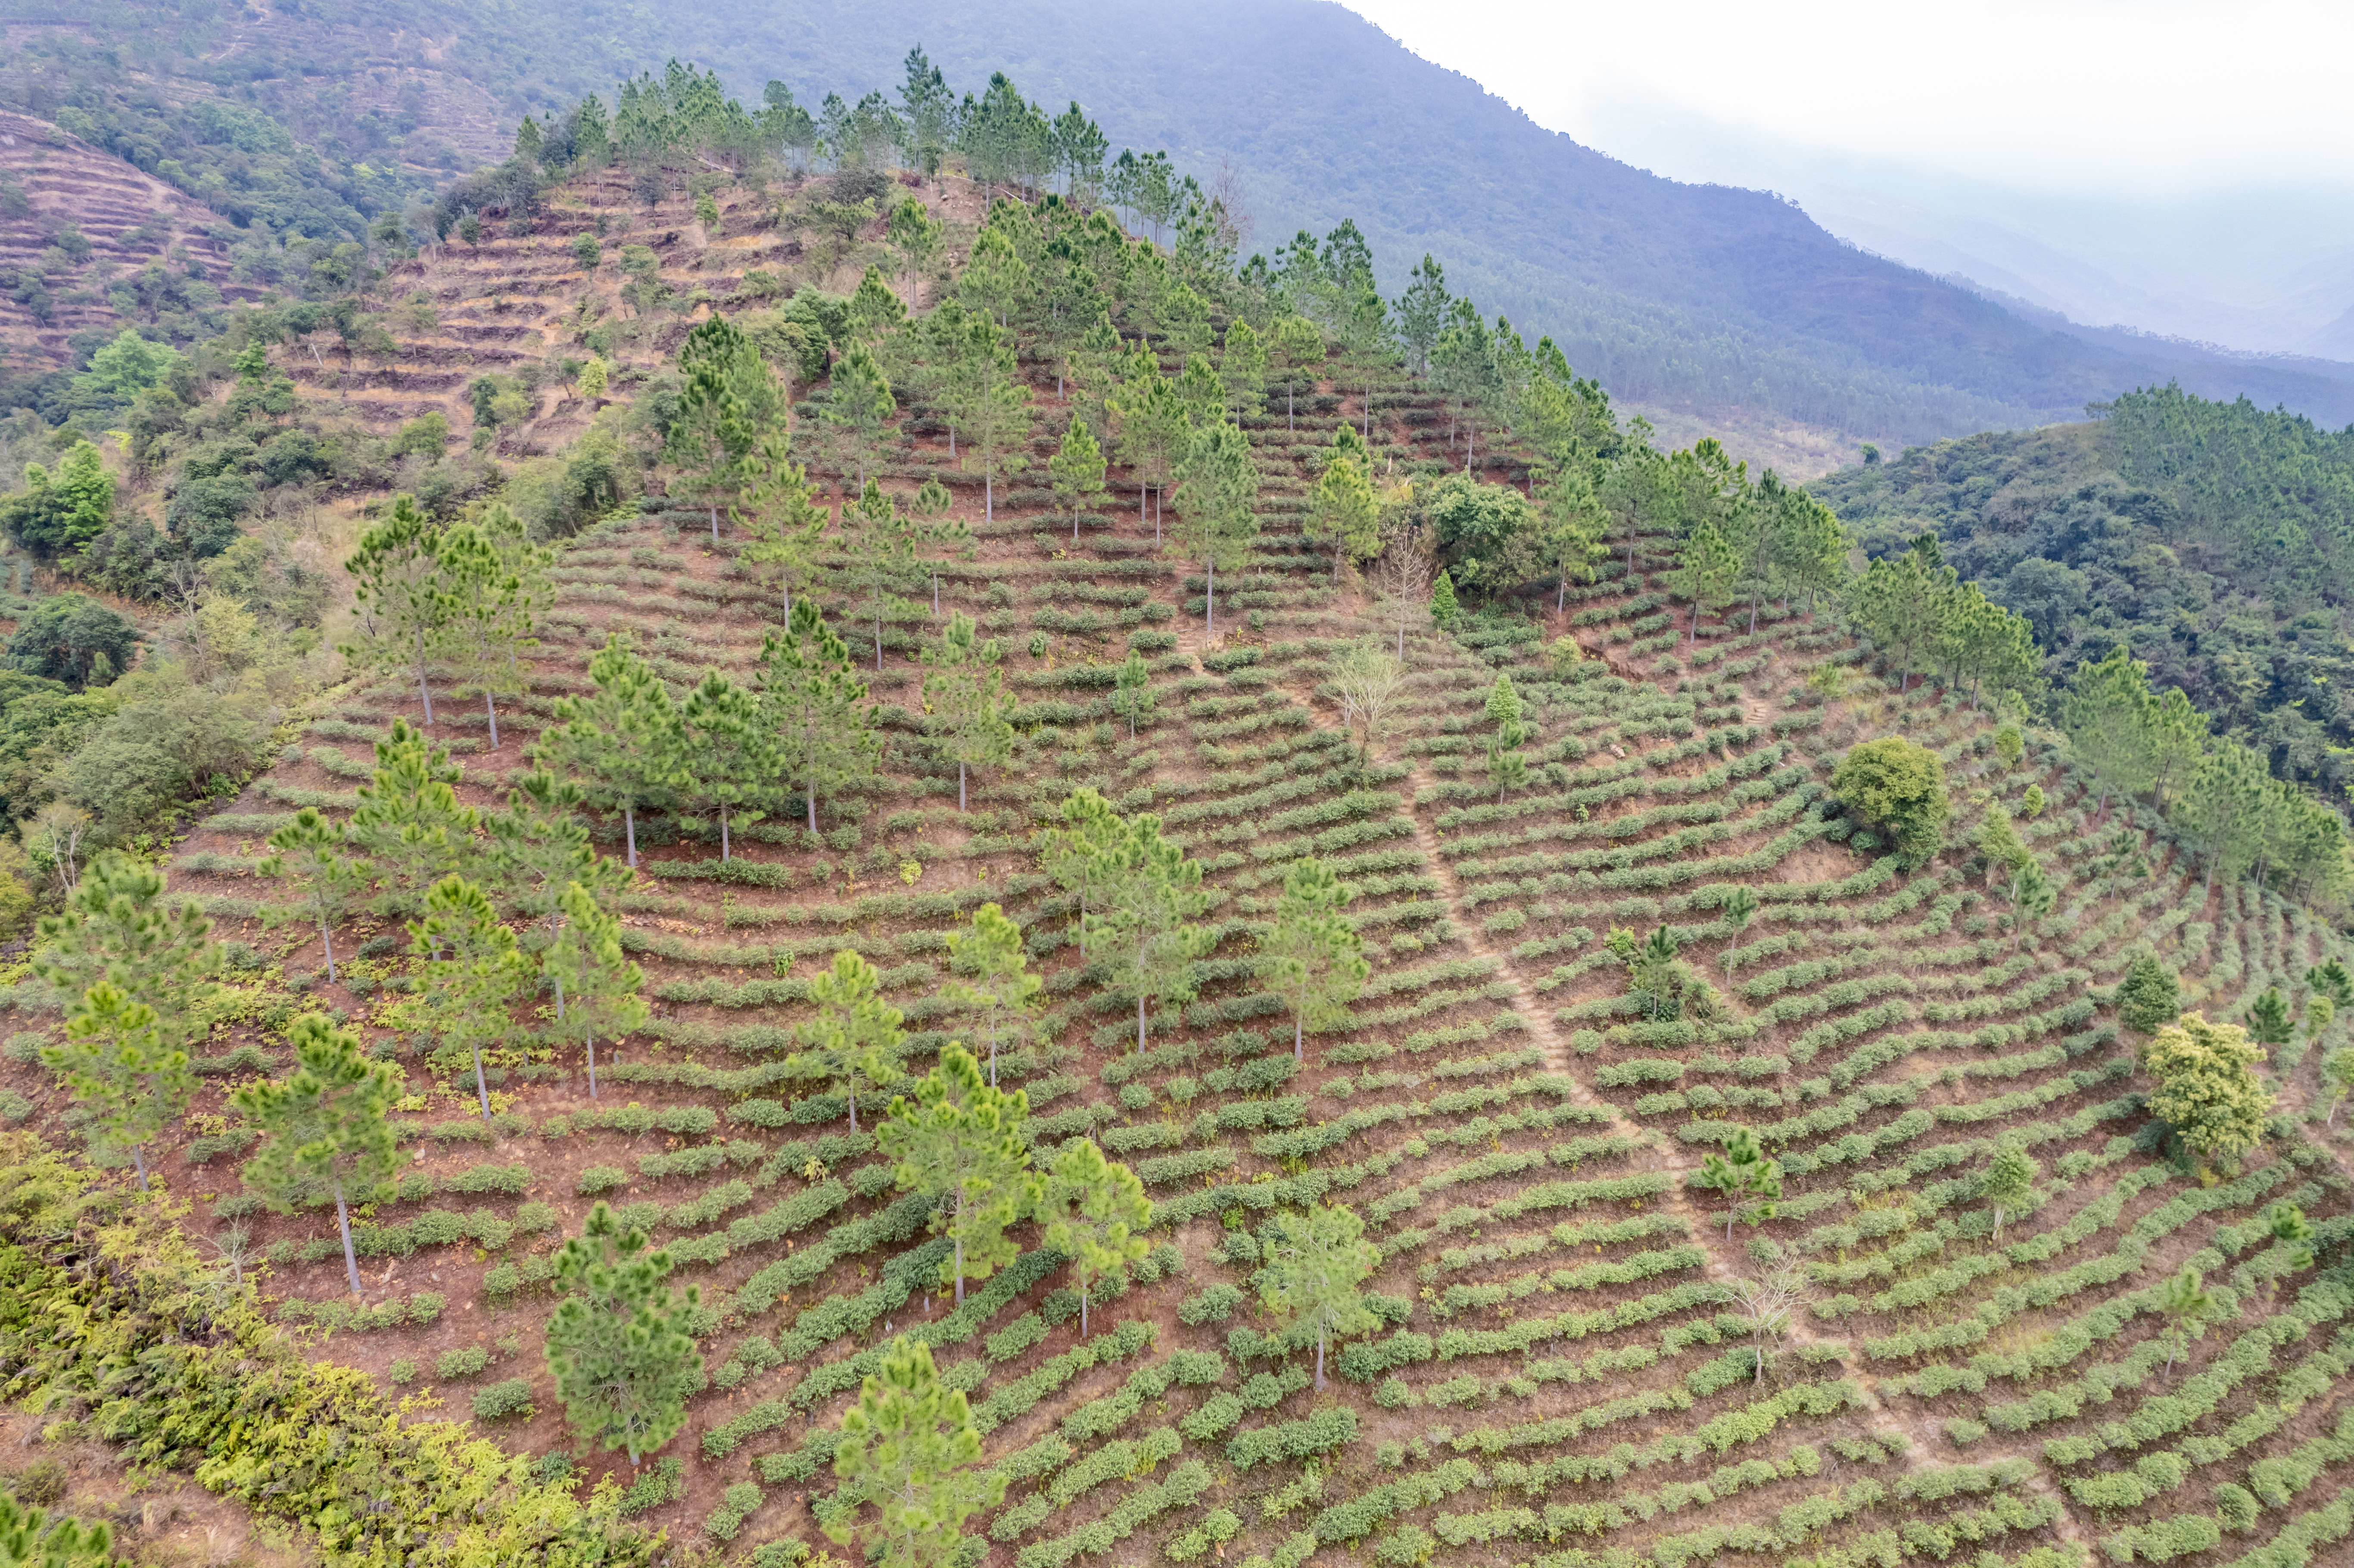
x: 1705, y: 303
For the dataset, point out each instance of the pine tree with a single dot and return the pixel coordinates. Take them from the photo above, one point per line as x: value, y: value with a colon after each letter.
x: 1217, y: 497
x: 410, y: 820
x: 490, y: 583
x: 538, y: 847
x: 326, y: 1124
x: 1742, y: 1171
x: 916, y: 236
x: 1344, y: 515
x: 114, y: 928
x: 990, y: 400
x: 1080, y: 853
x: 787, y: 529
x: 964, y: 693
x: 313, y: 857
x: 396, y: 587
x: 1078, y: 472
x: 1133, y: 692
x: 859, y: 406
x: 596, y: 985
x: 1740, y: 907
x: 999, y: 986
x: 2107, y: 714
x: 960, y: 1141
x: 1242, y: 368
x: 1317, y: 1265
x: 2033, y: 894
x: 817, y: 705
x: 727, y: 398
x: 854, y: 1038
x: 1444, y: 609
x: 619, y: 1344
x: 474, y: 974
x: 942, y: 538
x: 726, y: 757
x: 2206, y: 1087
x: 876, y: 313
x: 1094, y: 1212
x: 1506, y: 763
x: 1576, y: 523
x: 879, y: 565
x: 117, y: 1065
x: 2187, y: 1308
x: 1315, y: 960
x: 2008, y: 1182
x: 1150, y: 424
x: 621, y: 740
x: 2268, y: 1019
x: 1156, y: 893
x: 910, y: 1452
x: 1296, y: 347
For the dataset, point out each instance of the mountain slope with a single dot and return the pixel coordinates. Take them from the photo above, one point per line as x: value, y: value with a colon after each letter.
x: 2210, y: 538
x: 1696, y: 304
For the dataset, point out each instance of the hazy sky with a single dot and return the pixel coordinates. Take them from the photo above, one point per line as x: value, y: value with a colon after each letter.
x: 2186, y: 169
x: 2150, y: 98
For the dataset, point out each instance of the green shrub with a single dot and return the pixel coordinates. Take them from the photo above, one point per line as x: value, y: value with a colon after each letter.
x: 468, y: 1361
x: 599, y: 1179
x: 501, y: 1400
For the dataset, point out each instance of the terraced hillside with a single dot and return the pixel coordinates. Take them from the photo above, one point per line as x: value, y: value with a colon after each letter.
x: 1566, y: 1373
x: 78, y: 227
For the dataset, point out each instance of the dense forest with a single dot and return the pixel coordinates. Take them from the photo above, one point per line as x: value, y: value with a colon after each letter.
x: 2211, y: 540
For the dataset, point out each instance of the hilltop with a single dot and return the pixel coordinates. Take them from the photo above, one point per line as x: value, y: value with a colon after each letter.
x: 1707, y: 307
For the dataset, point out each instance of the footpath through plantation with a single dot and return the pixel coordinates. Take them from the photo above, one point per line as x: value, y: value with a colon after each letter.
x: 1422, y: 997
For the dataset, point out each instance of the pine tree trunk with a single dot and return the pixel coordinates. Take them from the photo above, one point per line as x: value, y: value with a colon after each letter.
x: 723, y: 833
x: 959, y: 786
x: 988, y: 496
x: 1320, y: 1357
x: 592, y: 1066
x: 629, y: 824
x: 1140, y: 1021
x: 139, y: 1162
x: 960, y: 1270
x: 424, y: 688
x: 481, y: 1084
x: 344, y: 1223
x: 850, y: 1093
x: 328, y: 942
x: 715, y: 519
x: 492, y: 708
x: 1299, y: 1033
x: 1290, y: 406
x: 1210, y: 602
x: 1083, y: 1310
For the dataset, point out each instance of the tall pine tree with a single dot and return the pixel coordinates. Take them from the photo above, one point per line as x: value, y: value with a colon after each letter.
x: 619, y: 1345
x: 327, y: 1124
